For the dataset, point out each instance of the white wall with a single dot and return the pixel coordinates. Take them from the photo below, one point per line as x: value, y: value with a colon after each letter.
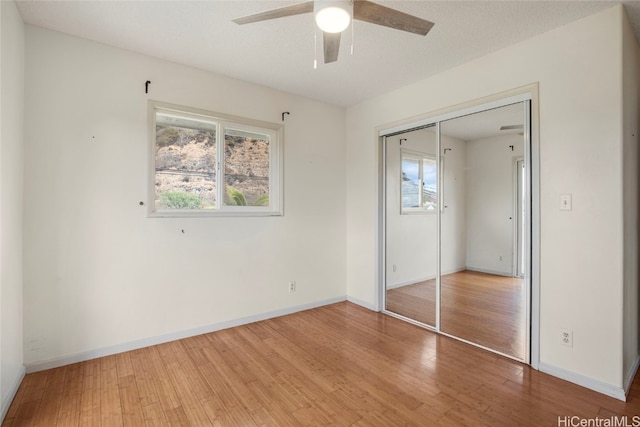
x: 12, y: 50
x: 98, y: 272
x: 490, y: 203
x: 630, y: 153
x: 579, y: 69
x: 453, y: 226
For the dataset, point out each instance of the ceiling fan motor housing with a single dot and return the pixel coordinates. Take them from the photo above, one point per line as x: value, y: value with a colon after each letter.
x: 333, y: 16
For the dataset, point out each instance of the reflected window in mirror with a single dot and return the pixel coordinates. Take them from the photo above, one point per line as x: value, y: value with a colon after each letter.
x: 419, y: 182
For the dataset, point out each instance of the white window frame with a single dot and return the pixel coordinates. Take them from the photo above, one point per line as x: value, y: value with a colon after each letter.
x: 419, y: 157
x: 222, y: 123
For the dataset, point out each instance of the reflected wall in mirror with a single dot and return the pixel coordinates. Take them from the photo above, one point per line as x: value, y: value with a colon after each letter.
x: 483, y: 295
x: 411, y: 205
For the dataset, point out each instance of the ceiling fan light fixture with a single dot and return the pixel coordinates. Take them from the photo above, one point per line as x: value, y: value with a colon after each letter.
x: 333, y: 16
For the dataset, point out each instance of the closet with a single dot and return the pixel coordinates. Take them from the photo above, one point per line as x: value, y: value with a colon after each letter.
x: 456, y: 225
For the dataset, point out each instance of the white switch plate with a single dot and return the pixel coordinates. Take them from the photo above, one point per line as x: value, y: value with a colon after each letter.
x: 565, y: 202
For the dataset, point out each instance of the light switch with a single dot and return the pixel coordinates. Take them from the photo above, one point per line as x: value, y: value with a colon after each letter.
x: 565, y: 202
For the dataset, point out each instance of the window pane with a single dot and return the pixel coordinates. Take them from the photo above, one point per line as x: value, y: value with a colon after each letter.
x: 185, y: 163
x: 430, y: 186
x: 410, y: 183
x: 246, y: 168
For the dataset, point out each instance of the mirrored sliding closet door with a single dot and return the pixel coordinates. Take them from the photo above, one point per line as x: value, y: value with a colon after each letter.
x: 412, y: 225
x: 457, y: 228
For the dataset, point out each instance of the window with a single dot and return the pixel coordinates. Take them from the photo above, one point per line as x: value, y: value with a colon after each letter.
x: 209, y: 164
x: 419, y: 191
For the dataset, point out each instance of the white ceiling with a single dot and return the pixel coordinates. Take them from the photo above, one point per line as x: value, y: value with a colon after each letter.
x: 486, y: 123
x: 280, y: 53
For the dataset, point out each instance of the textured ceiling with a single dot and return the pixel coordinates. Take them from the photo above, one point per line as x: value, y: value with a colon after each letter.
x: 280, y: 53
x: 486, y: 123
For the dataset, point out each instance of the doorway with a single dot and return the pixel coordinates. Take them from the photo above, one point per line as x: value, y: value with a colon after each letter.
x: 457, y: 226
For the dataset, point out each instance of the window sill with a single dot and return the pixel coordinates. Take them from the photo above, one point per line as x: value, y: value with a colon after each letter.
x: 214, y: 214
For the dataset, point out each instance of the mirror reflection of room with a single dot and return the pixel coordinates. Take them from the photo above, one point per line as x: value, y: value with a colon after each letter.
x: 483, y: 294
x: 411, y: 225
x: 482, y: 207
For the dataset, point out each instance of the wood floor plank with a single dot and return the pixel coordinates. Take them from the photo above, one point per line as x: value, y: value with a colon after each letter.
x: 264, y: 417
x: 110, y: 406
x: 233, y: 403
x: 123, y: 364
x: 28, y: 395
x: 335, y: 365
x: 70, y: 406
x: 144, y: 375
x: 32, y: 388
x: 90, y: 399
x: 187, y: 371
x: 52, y: 399
x: 177, y: 417
x: 24, y: 415
x: 161, y: 380
x: 188, y: 385
x: 154, y: 415
x: 132, y: 414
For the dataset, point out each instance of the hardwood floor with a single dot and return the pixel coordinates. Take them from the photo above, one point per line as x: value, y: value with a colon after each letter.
x: 482, y: 308
x: 336, y: 365
x: 416, y: 301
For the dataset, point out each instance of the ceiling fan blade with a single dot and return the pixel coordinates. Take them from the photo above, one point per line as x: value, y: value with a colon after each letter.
x: 331, y: 44
x: 296, y: 9
x: 374, y: 13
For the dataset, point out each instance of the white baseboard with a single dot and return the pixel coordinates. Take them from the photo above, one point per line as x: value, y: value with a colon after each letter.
x: 628, y: 380
x: 8, y: 398
x: 584, y: 381
x: 409, y: 283
x: 161, y: 339
x: 493, y: 272
x: 424, y: 279
x: 362, y: 303
x: 454, y: 271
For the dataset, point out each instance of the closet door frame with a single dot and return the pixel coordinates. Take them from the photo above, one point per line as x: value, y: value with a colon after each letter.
x: 528, y: 96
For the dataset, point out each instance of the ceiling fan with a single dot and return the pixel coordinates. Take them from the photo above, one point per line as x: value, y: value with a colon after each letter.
x: 333, y: 17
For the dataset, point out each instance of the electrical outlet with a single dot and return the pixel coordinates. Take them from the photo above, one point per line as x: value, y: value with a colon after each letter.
x: 292, y: 286
x: 566, y: 337
x: 395, y: 268
x: 500, y: 257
